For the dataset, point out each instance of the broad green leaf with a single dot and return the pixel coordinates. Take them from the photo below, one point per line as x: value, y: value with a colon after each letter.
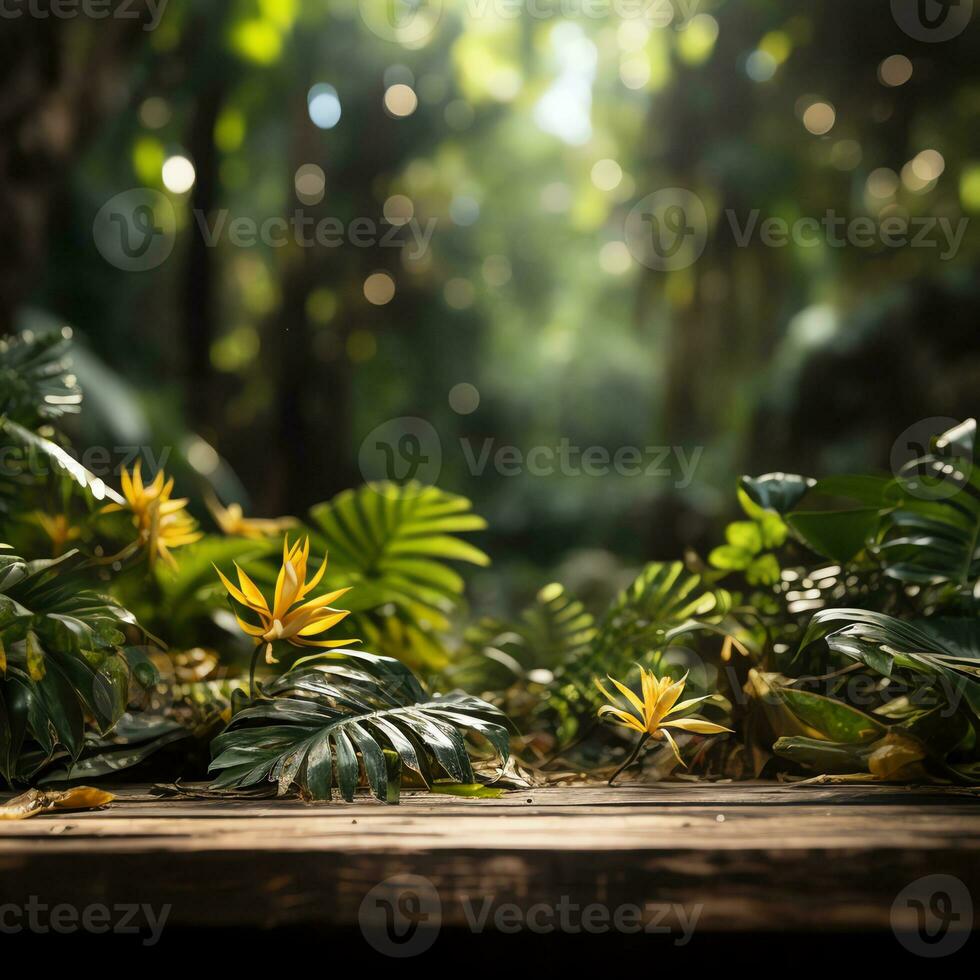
x: 839, y: 535
x: 335, y: 715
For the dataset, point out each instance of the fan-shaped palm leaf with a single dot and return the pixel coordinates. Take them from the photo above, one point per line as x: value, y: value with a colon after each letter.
x: 394, y: 543
x: 336, y: 714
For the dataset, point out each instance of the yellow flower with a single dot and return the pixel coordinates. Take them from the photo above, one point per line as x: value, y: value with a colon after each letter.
x: 232, y: 521
x: 651, y: 712
x: 58, y: 529
x: 290, y: 618
x: 162, y: 523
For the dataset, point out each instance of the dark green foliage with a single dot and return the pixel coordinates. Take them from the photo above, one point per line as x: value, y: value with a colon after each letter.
x: 335, y: 715
x: 36, y: 383
x: 932, y: 536
x: 67, y: 661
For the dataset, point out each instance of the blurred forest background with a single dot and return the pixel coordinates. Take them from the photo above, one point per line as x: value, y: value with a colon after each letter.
x: 521, y: 137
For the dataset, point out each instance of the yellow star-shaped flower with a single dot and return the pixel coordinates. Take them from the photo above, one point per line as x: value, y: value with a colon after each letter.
x: 288, y: 618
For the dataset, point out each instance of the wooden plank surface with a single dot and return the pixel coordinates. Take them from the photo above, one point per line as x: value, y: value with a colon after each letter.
x: 748, y: 856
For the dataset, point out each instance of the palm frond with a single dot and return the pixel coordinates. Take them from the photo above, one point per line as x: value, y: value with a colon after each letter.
x: 396, y: 544
x: 933, y: 535
x: 335, y: 715
x: 946, y: 650
x: 555, y: 629
x: 36, y: 383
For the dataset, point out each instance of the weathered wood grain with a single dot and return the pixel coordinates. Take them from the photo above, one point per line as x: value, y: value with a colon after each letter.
x: 749, y: 856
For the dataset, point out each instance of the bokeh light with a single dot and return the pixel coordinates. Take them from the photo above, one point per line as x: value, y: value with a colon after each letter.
x: 310, y: 183
x: 400, y: 100
x: 464, y: 399
x: 379, y: 288
x: 178, y: 174
x: 323, y: 104
x: 398, y: 209
x: 819, y: 118
x: 895, y: 70
x: 606, y: 174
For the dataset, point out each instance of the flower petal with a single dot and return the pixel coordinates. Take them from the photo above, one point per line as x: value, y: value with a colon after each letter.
x: 684, y: 705
x: 628, y: 694
x: 697, y: 725
x: 622, y: 717
x: 252, y: 592
x: 233, y: 590
x: 323, y: 623
x: 327, y: 644
x: 673, y: 745
x: 249, y: 628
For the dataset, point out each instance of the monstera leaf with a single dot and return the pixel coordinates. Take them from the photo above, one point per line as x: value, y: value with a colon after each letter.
x: 336, y: 715
x: 394, y: 544
x: 933, y: 535
x: 64, y: 660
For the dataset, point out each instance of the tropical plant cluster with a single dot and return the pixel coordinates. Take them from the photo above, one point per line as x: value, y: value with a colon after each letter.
x: 834, y: 632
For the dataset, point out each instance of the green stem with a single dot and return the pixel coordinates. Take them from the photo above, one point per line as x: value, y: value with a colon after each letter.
x: 632, y: 758
x: 251, y: 671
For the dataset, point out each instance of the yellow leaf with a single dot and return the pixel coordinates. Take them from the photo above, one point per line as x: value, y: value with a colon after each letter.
x: 892, y: 754
x: 36, y: 801
x: 35, y: 657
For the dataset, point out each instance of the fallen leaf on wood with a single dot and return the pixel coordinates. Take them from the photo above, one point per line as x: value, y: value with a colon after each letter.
x: 44, y: 800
